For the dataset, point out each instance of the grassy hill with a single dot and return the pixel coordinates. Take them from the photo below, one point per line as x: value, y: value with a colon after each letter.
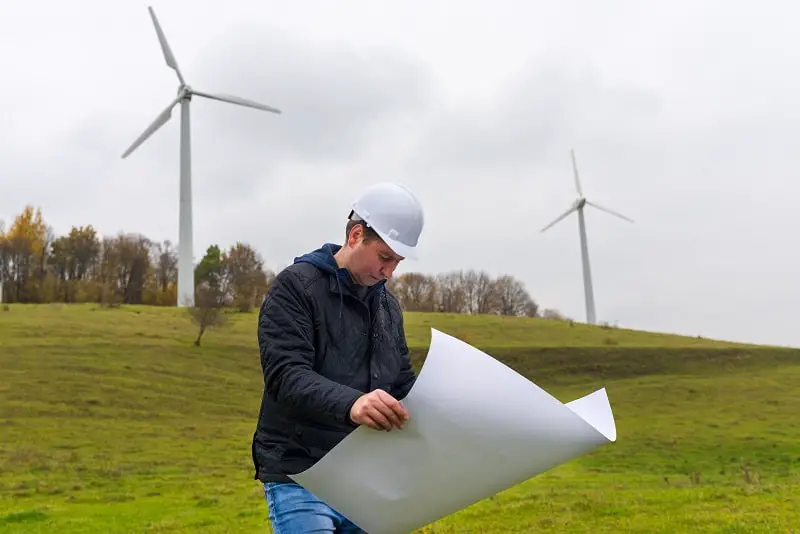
x: 112, y: 421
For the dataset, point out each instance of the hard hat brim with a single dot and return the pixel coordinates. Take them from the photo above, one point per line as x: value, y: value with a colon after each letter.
x: 399, y: 248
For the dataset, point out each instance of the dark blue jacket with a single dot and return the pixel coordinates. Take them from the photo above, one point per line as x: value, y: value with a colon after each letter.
x: 322, y: 346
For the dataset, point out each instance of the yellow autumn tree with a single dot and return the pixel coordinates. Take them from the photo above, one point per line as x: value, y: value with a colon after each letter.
x: 27, y: 242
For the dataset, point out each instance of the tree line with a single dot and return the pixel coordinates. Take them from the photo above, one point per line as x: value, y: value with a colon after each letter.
x: 37, y: 266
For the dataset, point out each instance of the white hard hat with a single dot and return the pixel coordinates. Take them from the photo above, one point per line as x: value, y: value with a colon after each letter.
x: 394, y: 213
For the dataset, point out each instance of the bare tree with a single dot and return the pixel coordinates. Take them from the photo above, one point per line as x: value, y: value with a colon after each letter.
x: 246, y: 278
x: 5, y: 252
x: 415, y: 291
x: 512, y: 298
x: 451, y: 297
x: 166, y: 260
x: 485, y: 294
x: 208, y: 310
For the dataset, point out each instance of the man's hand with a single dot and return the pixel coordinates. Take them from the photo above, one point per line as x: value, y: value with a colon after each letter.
x: 379, y: 410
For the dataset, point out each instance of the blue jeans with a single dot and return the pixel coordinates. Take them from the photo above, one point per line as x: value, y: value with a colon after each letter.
x: 295, y: 510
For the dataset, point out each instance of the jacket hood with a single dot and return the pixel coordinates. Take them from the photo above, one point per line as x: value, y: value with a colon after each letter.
x: 323, y: 259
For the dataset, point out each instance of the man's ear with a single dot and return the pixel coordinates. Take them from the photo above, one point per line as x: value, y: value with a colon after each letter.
x: 356, y: 235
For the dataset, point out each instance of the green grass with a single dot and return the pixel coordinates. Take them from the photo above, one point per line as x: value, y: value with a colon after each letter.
x: 111, y: 421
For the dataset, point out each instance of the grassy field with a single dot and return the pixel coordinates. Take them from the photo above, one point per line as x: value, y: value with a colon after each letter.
x: 112, y: 422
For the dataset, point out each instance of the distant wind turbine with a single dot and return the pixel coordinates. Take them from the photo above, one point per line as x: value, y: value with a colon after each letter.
x: 578, y: 205
x: 185, y: 93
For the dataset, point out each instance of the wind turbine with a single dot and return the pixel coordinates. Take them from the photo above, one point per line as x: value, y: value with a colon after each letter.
x: 185, y: 93
x: 578, y: 206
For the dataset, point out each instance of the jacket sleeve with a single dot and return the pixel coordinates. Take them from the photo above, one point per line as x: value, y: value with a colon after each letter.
x: 406, y: 378
x: 286, y: 342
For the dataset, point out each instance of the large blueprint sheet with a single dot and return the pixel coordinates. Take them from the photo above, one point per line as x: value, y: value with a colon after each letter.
x: 477, y: 427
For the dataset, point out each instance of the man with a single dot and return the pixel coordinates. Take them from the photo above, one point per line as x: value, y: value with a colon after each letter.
x: 333, y: 353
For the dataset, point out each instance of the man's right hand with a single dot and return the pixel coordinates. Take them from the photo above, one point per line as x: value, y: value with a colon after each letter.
x: 379, y: 410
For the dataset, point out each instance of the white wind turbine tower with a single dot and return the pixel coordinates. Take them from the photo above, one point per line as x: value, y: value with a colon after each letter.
x: 578, y: 205
x: 185, y: 93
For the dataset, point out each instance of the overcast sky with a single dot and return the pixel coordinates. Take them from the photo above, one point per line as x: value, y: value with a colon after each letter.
x: 683, y: 115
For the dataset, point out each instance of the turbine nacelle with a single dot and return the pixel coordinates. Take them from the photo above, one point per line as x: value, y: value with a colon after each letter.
x: 580, y: 203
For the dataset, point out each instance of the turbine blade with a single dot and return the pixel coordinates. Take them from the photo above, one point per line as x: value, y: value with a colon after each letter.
x: 160, y: 121
x: 560, y: 217
x: 601, y: 208
x: 237, y: 100
x: 168, y: 55
x: 575, y: 172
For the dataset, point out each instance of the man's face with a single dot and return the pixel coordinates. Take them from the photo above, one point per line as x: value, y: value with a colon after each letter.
x: 373, y: 261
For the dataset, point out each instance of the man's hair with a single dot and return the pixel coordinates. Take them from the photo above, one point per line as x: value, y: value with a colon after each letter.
x: 369, y: 233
